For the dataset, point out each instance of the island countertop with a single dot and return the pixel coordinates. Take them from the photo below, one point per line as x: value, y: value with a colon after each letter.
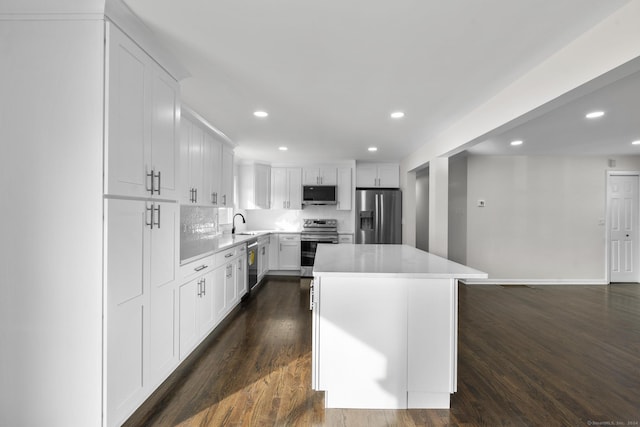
x: 387, y: 261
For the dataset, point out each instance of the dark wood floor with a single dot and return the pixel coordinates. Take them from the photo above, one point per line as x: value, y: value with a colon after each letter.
x: 528, y: 356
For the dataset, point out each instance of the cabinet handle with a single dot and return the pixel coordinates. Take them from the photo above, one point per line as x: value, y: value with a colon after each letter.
x: 159, y: 184
x: 204, y: 286
x: 202, y: 267
x: 224, y: 200
x: 228, y: 255
x: 195, y: 192
x: 150, y: 210
x: 199, y: 287
x: 158, y: 221
x: 191, y: 195
x: 151, y: 175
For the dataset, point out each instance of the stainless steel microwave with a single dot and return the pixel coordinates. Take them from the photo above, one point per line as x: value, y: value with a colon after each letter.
x: 319, y: 195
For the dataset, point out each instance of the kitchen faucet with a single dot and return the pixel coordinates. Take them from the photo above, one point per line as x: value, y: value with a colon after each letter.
x: 233, y: 229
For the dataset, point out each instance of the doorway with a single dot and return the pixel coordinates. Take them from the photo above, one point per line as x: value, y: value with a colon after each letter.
x: 622, y: 226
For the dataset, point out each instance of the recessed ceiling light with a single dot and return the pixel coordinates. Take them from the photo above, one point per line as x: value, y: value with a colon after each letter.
x: 397, y: 115
x: 594, y: 114
x: 372, y: 149
x: 636, y: 142
x: 283, y: 148
x: 517, y: 142
x: 260, y: 114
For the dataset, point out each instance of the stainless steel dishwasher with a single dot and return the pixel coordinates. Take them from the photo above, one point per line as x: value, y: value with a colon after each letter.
x: 252, y: 264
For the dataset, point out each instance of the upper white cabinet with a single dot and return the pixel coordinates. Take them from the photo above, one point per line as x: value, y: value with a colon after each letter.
x: 211, y: 173
x: 141, y: 122
x: 286, y: 188
x: 226, y: 189
x: 344, y: 190
x: 254, y: 186
x: 385, y: 175
x: 319, y: 176
x: 201, y: 164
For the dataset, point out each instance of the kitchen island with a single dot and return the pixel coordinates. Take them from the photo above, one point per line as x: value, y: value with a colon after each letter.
x: 385, y: 321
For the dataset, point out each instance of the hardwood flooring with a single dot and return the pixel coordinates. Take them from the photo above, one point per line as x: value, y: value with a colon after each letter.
x: 528, y: 356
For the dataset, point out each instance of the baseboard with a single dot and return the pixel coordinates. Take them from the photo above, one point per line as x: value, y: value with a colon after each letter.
x: 535, y: 282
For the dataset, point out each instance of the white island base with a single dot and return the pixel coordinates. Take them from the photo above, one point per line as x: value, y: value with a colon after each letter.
x: 385, y: 326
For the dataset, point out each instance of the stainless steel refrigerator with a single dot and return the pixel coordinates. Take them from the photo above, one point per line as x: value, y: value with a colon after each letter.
x: 378, y: 216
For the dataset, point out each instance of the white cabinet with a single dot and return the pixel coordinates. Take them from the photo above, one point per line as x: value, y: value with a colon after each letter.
x: 141, y: 259
x: 212, y: 169
x: 345, y: 238
x: 201, y: 158
x: 226, y: 189
x: 344, y: 189
x: 289, y: 252
x: 141, y: 122
x: 197, y: 315
x: 286, y: 188
x: 385, y: 175
x: 191, y: 161
x: 230, y: 280
x: 263, y: 256
x: 274, y: 251
x: 254, y: 186
x: 319, y: 176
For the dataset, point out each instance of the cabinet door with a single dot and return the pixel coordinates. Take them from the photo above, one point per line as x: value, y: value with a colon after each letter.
x: 389, y: 176
x: 163, y: 354
x: 211, y: 170
x: 188, y: 316
x: 227, y: 177
x: 262, y: 189
x: 241, y: 276
x: 289, y: 256
x: 279, y: 188
x: 310, y: 176
x: 206, y: 306
x: 186, y: 127
x: 328, y: 176
x: 128, y: 141
x: 196, y: 161
x: 366, y: 176
x: 229, y: 286
x: 218, y: 292
x: 344, y: 189
x: 127, y: 297
x: 295, y: 188
x: 274, y: 250
x: 164, y: 132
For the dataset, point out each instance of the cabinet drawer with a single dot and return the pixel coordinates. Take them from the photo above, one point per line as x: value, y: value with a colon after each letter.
x: 289, y: 237
x: 229, y: 254
x: 196, y: 268
x: 345, y: 238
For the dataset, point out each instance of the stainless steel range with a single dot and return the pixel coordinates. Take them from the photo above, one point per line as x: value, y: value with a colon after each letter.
x: 315, y: 231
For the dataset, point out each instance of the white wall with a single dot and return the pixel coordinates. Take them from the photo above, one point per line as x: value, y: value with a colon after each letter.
x: 458, y: 208
x: 51, y: 131
x: 543, y: 219
x: 422, y: 209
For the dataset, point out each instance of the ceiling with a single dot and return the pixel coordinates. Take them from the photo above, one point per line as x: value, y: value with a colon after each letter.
x: 330, y: 72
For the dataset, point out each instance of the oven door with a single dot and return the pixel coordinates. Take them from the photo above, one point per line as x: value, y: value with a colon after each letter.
x: 308, y: 246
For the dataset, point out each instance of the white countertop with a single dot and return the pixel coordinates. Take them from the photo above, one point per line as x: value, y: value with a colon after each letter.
x: 387, y: 261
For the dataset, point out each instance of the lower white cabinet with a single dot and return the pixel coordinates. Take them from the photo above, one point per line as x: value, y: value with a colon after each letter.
x: 197, y: 314
x: 140, y: 301
x: 263, y: 256
x: 212, y: 288
x: 289, y: 252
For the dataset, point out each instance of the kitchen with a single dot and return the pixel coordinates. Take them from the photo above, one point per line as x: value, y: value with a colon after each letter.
x: 57, y: 180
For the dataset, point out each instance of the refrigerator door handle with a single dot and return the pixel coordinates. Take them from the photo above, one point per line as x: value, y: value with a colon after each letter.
x: 376, y: 219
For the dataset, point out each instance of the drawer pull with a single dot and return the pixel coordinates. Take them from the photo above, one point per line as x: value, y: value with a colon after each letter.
x: 202, y: 267
x: 228, y: 255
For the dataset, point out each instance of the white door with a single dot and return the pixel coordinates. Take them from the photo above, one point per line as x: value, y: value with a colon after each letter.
x: 623, y: 234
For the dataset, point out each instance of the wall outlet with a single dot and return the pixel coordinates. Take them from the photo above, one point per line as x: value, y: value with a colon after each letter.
x: 481, y: 203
